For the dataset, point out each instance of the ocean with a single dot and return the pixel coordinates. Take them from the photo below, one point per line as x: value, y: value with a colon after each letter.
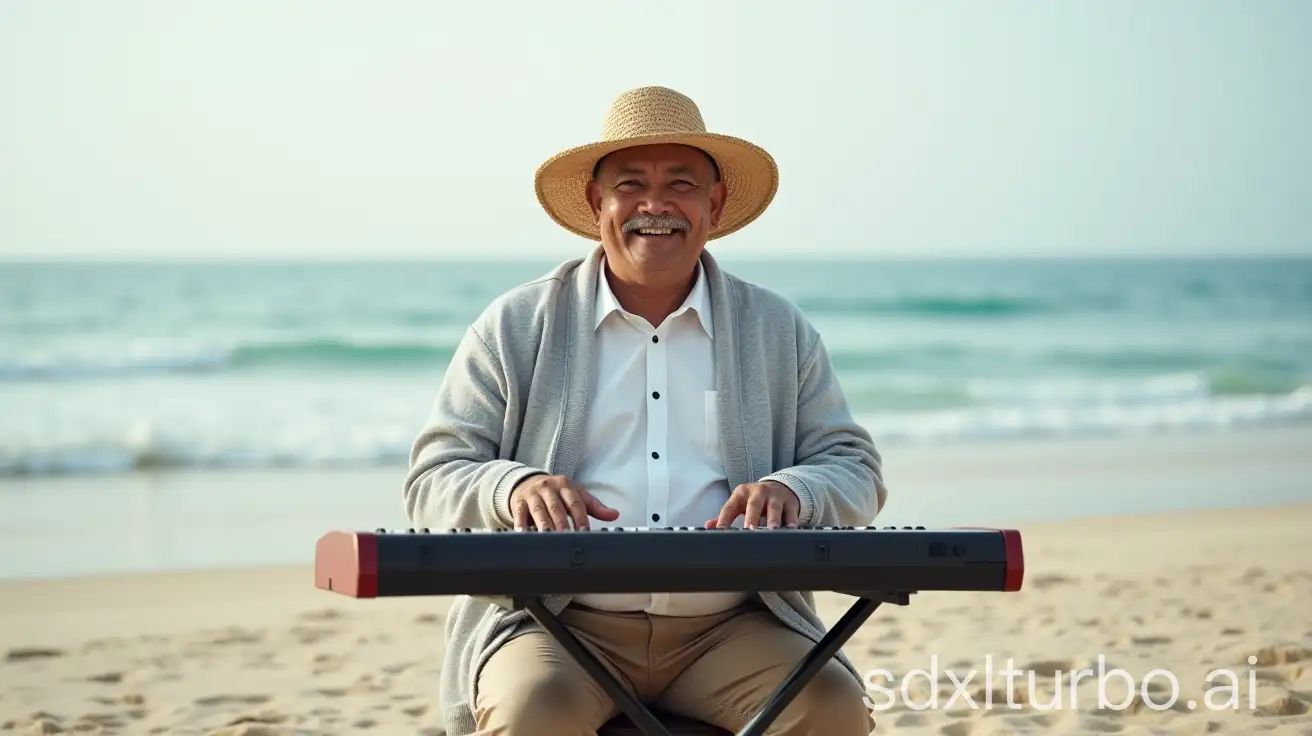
x: 118, y: 368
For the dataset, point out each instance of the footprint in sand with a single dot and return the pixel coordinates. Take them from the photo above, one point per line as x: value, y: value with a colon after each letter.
x: 326, y: 614
x: 1275, y: 675
x: 217, y: 700
x: 1049, y: 668
x: 27, y: 654
x: 415, y: 711
x: 40, y: 725
x: 107, y: 678
x: 1157, y: 687
x: 328, y: 663
x: 1196, y: 728
x: 1274, y: 655
x: 1150, y: 641
x: 365, y: 685
x: 308, y: 635
x: 266, y: 717
x: 96, y: 645
x: 264, y: 661
x: 1284, y: 705
x: 1252, y: 574
x: 1116, y: 588
x: 1052, y: 580
x: 960, y: 728
x: 129, y: 699
x: 245, y: 729
x: 96, y: 721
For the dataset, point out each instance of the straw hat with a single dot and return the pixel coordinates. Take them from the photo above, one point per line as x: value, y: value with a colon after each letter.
x: 653, y: 115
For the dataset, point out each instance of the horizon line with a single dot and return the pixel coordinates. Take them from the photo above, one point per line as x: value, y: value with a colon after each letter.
x: 788, y: 257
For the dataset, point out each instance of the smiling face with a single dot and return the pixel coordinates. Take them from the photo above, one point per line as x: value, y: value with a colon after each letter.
x: 656, y: 206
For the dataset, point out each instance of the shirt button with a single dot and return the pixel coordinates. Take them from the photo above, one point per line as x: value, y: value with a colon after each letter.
x: 655, y: 394
x: 656, y: 456
x: 655, y: 517
x: 655, y: 339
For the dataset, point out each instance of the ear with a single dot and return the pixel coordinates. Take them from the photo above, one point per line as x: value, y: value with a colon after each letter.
x: 593, y: 195
x: 719, y: 195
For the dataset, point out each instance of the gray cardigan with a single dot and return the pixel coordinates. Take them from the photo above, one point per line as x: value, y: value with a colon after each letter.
x: 514, y: 401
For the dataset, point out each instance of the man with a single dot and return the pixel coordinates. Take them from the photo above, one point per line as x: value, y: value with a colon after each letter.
x: 644, y: 386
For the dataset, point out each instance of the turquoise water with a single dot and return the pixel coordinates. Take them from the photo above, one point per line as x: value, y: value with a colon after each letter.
x: 111, y: 368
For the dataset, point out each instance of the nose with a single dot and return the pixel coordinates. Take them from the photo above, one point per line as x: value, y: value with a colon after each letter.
x: 654, y: 202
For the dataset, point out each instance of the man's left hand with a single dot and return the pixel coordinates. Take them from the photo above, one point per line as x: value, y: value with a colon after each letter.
x: 771, y: 502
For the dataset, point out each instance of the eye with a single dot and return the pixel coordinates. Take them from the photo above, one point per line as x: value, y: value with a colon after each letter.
x: 628, y: 185
x: 682, y: 184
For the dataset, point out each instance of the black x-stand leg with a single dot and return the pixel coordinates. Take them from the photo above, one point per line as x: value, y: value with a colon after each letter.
x: 826, y: 648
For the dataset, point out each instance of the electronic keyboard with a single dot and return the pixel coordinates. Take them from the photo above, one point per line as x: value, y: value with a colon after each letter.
x: 532, y: 563
x: 876, y: 565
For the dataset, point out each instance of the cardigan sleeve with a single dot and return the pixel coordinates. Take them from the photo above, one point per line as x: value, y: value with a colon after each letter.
x: 838, y: 475
x: 457, y: 478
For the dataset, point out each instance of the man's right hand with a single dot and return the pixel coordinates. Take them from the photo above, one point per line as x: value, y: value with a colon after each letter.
x: 552, y: 502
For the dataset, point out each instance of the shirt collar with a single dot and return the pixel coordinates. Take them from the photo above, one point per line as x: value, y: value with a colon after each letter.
x: 698, y: 300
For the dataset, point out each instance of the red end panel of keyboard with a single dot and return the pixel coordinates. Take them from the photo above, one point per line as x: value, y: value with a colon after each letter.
x: 1015, y: 560
x: 347, y: 563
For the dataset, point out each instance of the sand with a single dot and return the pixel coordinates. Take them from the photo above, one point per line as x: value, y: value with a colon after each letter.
x: 256, y: 651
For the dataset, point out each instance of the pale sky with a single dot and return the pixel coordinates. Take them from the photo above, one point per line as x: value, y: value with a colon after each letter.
x: 331, y: 130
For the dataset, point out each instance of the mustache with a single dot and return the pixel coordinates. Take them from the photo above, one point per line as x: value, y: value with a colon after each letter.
x: 659, y: 221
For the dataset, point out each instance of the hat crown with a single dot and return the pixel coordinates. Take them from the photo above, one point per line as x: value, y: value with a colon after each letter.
x: 651, y: 111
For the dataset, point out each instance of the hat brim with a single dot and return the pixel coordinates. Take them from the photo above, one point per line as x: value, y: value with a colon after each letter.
x: 750, y: 175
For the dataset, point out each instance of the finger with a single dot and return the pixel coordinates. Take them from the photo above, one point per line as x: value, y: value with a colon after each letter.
x: 774, y: 511
x: 792, y: 511
x: 597, y: 509
x: 755, y: 506
x: 557, y: 511
x: 730, y: 511
x: 520, y: 512
x: 578, y: 511
x: 541, y: 517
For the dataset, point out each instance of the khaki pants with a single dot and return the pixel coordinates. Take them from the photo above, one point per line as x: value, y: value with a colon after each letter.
x: 718, y: 669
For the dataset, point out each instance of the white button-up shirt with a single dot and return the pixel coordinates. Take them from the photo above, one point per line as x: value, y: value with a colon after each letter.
x: 651, y: 446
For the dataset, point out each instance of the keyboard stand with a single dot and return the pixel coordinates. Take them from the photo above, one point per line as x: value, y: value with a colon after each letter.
x: 826, y: 648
